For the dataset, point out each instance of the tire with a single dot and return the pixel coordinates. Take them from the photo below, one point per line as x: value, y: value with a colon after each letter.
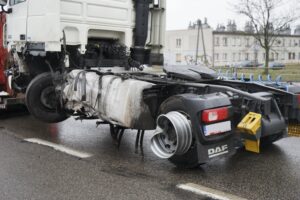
x: 189, y: 159
x: 42, y: 108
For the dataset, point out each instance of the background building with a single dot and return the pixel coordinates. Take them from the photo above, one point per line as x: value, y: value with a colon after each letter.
x: 228, y: 46
x: 181, y: 45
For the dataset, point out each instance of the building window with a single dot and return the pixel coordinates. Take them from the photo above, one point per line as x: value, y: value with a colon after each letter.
x: 292, y: 56
x: 247, y: 41
x: 272, y: 57
x: 225, y: 56
x: 240, y: 56
x: 178, y: 58
x: 255, y: 56
x: 277, y: 56
x: 283, y: 42
x: 277, y: 42
x: 299, y: 56
x: 246, y: 56
x: 217, y: 42
x: 238, y: 43
x: 233, y: 57
x: 234, y: 42
x: 225, y: 41
x: 178, y: 43
x: 216, y: 56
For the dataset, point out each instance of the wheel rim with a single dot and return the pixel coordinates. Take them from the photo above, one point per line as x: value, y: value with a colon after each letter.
x: 173, y: 135
x: 48, y: 98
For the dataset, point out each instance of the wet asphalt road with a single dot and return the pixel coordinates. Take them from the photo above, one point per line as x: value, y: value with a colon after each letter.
x: 30, y: 171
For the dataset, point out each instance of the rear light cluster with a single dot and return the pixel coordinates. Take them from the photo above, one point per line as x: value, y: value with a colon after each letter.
x: 215, y: 115
x: 299, y: 99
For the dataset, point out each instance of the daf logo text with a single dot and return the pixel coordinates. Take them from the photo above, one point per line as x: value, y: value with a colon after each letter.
x: 217, y: 151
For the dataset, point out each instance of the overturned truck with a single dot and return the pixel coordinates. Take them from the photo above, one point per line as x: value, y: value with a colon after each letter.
x: 86, y: 59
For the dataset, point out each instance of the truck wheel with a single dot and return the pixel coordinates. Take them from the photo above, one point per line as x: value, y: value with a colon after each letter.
x: 190, y: 158
x: 41, y: 100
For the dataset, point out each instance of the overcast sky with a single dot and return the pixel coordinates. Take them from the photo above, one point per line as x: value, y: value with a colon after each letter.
x: 180, y: 12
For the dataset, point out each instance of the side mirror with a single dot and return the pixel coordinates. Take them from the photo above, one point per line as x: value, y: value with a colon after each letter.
x: 3, y: 2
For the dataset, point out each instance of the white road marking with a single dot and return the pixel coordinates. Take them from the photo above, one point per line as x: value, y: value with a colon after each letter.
x: 60, y: 148
x: 208, y: 192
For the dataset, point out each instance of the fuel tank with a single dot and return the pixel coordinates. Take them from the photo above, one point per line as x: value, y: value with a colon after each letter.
x: 113, y: 99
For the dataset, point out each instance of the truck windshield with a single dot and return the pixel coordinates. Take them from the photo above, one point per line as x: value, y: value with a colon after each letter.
x: 14, y: 2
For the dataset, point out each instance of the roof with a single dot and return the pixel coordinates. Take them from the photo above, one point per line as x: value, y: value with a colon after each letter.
x: 242, y: 33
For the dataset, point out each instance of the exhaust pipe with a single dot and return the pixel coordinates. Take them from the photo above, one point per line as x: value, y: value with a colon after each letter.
x: 173, y: 135
x: 138, y: 51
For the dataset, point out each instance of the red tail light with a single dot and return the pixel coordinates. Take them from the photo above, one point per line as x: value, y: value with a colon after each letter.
x: 299, y: 99
x: 215, y: 115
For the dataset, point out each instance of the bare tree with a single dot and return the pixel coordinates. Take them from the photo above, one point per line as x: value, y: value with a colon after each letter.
x: 269, y: 19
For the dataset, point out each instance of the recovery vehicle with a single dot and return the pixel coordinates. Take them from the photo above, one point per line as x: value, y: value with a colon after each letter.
x: 3, y: 55
x: 9, y: 99
x: 89, y: 59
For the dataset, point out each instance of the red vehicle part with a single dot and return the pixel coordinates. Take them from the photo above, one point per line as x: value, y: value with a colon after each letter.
x: 7, y: 97
x: 3, y: 55
x: 215, y: 115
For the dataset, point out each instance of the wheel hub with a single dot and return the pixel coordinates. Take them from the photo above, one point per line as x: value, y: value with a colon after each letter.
x: 48, y: 98
x: 173, y: 135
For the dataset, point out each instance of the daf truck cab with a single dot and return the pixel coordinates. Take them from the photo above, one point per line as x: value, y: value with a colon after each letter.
x: 43, y: 35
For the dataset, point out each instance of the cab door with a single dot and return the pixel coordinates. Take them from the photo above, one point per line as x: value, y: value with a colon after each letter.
x: 17, y: 21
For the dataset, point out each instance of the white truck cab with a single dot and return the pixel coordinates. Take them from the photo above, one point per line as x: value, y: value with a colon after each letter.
x: 43, y: 21
x: 49, y: 35
x: 40, y: 24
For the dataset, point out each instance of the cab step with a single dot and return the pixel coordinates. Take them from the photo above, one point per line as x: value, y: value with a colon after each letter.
x: 6, y: 100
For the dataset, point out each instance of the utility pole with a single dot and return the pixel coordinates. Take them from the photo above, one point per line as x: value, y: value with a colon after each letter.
x: 203, y: 43
x: 198, y: 37
x: 200, y: 28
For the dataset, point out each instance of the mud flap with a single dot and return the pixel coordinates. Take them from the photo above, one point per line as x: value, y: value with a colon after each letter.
x: 217, y: 150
